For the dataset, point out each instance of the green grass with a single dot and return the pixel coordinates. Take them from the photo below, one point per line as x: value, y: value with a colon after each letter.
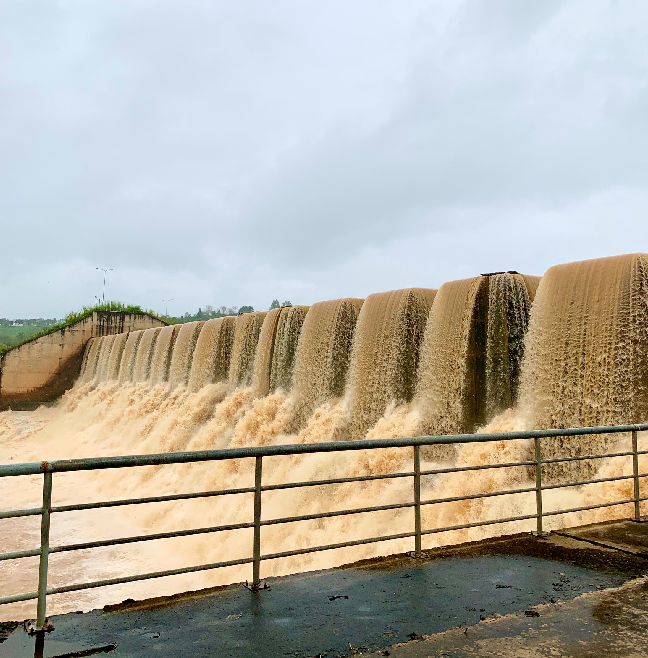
x: 71, y: 318
x: 13, y: 335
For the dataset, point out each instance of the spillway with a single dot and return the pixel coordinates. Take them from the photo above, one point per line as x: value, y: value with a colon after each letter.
x: 587, y: 353
x: 246, y: 336
x: 105, y: 348
x: 263, y: 353
x: 161, y: 358
x: 213, y: 352
x: 144, y: 354
x: 385, y: 353
x: 287, y: 334
x: 472, y: 351
x: 323, y: 355
x: 127, y: 364
x: 90, y: 360
x: 510, y: 296
x: 496, y: 351
x: 275, y: 353
x: 182, y: 355
x: 115, y: 358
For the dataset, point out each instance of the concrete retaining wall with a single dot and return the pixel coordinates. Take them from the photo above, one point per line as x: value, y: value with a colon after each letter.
x: 44, y: 368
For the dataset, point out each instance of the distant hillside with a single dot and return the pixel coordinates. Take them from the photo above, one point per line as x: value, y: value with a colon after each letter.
x: 14, y: 332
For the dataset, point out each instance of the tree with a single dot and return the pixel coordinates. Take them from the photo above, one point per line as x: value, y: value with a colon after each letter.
x: 246, y: 309
x: 287, y: 304
x: 275, y: 304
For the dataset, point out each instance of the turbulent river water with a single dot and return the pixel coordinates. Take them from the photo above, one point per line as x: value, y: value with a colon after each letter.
x: 496, y: 352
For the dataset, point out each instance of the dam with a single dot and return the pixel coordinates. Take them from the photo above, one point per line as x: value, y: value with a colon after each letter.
x: 498, y: 352
x: 42, y: 369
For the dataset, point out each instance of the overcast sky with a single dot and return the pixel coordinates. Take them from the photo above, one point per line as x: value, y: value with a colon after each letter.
x: 233, y: 152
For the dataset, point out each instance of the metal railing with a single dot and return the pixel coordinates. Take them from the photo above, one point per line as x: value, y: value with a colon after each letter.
x: 47, y: 469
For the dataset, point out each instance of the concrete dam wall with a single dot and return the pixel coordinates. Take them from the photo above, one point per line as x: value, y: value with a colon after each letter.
x: 42, y: 369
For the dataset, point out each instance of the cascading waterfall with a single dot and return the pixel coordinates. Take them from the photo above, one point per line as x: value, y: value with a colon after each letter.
x: 443, y: 380
x: 472, y: 350
x: 385, y: 353
x: 287, y: 335
x: 183, y: 353
x: 510, y: 296
x: 587, y: 354
x: 263, y: 353
x: 161, y: 360
x: 116, y: 353
x: 246, y: 336
x: 486, y: 350
x: 105, y: 348
x: 212, y: 355
x: 84, y: 361
x: 323, y: 356
x: 144, y: 354
x: 128, y: 356
x: 90, y: 360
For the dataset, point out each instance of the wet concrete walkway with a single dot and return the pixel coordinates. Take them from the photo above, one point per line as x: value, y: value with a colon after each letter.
x: 612, y: 622
x: 397, y: 606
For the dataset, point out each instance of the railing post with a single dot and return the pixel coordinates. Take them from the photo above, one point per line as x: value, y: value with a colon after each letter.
x: 417, y: 500
x: 256, y: 568
x: 538, y: 457
x: 44, y: 552
x: 635, y: 472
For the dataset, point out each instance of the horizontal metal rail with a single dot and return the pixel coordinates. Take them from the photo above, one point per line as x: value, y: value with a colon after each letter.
x: 583, y: 458
x: 585, y: 508
x: 314, y: 483
x: 140, y: 538
x: 48, y: 468
x: 331, y: 547
x: 478, y: 524
x: 150, y: 499
x: 318, y: 483
x: 16, y: 555
x: 125, y: 579
x: 15, y: 598
x: 580, y: 483
x: 12, y: 514
x: 480, y: 467
x: 487, y: 494
x: 97, y: 463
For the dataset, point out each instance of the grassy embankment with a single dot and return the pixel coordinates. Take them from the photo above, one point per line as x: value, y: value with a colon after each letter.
x: 12, y: 336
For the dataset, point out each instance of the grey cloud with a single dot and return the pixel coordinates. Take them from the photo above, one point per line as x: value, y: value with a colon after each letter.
x: 226, y: 150
x: 479, y: 132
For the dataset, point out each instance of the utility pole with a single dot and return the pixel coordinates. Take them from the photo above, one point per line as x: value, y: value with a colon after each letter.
x: 166, y: 307
x: 105, y: 270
